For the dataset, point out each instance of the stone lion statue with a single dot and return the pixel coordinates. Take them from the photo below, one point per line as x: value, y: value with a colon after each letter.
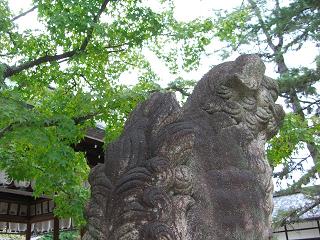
x: 194, y: 172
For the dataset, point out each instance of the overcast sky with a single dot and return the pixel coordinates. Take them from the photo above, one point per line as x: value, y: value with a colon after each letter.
x: 187, y: 10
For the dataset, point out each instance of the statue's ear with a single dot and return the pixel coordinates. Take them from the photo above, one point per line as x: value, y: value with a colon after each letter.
x: 249, y: 70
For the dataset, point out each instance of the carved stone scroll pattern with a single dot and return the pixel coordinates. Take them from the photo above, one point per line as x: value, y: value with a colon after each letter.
x: 195, y: 172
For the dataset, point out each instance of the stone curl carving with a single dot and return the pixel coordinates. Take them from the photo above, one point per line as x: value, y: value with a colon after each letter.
x: 194, y: 172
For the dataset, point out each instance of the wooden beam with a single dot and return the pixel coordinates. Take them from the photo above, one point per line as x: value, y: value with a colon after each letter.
x: 56, y: 228
x: 28, y: 231
x: 286, y: 232
x: 15, y: 219
x: 82, y: 232
x: 19, y: 196
x: 19, y: 192
x: 21, y: 219
x: 42, y: 217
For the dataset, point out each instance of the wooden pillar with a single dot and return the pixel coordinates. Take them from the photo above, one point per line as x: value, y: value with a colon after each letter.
x: 56, y: 228
x: 286, y: 232
x: 82, y: 232
x: 28, y: 231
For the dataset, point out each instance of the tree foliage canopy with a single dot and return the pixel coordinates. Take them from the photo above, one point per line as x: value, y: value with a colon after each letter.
x: 62, y: 76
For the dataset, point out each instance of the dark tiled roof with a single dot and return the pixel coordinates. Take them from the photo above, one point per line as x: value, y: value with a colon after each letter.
x: 95, y: 133
x: 284, y: 203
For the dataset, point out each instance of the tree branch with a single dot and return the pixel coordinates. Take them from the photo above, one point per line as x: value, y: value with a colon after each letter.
x: 289, y: 169
x: 46, y: 123
x: 24, y: 13
x: 310, y: 104
x: 95, y: 20
x: 278, y: 34
x: 12, y: 70
x: 303, y: 36
x: 262, y: 24
x: 305, y: 179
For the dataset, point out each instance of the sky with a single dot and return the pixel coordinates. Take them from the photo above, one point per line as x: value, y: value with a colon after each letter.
x: 187, y: 10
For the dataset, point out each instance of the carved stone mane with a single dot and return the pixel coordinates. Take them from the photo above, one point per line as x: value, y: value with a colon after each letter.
x: 194, y: 172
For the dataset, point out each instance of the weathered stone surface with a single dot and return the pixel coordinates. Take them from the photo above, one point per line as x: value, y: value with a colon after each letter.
x: 196, y: 172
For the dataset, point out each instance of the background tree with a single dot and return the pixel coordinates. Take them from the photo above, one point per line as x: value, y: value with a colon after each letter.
x: 62, y: 77
x: 275, y: 28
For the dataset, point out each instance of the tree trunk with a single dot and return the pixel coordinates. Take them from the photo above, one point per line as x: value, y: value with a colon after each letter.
x: 295, y: 103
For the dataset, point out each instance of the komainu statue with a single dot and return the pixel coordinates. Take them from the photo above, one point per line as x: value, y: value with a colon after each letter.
x: 196, y: 172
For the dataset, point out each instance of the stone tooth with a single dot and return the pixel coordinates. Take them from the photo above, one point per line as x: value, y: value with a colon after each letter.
x: 251, y: 119
x: 212, y: 107
x: 224, y: 92
x: 272, y: 126
x: 234, y: 109
x: 248, y: 103
x: 268, y: 110
x: 262, y: 115
x: 183, y: 180
x: 249, y: 100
